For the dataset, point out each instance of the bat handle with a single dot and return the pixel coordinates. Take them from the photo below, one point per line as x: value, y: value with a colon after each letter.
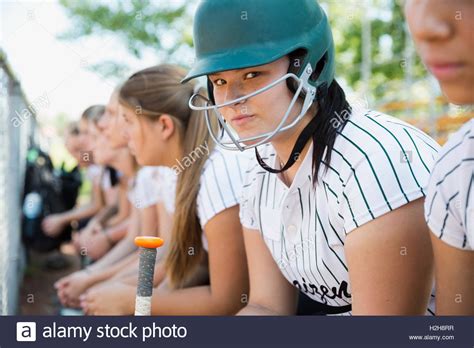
x: 146, y: 270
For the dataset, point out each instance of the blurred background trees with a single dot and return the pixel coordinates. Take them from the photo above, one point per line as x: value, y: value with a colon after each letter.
x: 142, y: 25
x: 375, y: 57
x: 372, y: 49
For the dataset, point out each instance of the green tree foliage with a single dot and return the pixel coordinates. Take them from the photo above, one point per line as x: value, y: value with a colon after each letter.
x: 142, y: 24
x: 388, y: 40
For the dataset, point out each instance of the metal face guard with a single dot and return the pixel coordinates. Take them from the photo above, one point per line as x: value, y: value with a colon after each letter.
x: 238, y: 144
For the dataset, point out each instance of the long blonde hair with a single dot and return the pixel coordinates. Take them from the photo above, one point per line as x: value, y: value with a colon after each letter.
x: 152, y: 92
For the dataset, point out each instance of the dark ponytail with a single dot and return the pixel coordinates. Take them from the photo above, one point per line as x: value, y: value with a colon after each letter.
x: 332, y: 115
x: 333, y: 110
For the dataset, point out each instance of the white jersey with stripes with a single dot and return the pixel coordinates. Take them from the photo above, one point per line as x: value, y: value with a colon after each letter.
x: 220, y: 186
x: 146, y: 188
x: 378, y: 164
x: 449, y: 205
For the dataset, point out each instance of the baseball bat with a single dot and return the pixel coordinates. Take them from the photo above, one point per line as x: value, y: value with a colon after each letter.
x: 146, y: 270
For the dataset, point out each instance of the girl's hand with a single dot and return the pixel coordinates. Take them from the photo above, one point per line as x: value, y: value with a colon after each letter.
x: 53, y: 225
x: 109, y: 298
x: 98, y: 245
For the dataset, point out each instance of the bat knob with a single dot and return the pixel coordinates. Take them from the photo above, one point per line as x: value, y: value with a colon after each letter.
x: 149, y: 242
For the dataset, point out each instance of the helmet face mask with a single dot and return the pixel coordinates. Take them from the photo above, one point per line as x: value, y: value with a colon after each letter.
x: 233, y: 35
x: 303, y: 90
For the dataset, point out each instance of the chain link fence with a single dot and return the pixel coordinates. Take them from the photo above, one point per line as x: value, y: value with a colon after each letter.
x: 17, y: 124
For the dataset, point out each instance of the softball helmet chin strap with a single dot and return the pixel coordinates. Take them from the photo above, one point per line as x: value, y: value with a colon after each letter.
x: 301, y: 142
x: 303, y: 138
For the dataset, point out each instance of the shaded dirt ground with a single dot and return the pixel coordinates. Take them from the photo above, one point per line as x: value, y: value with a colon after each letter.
x: 37, y: 294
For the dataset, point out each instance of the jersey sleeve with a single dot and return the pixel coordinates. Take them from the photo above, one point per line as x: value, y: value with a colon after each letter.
x: 146, y: 188
x: 166, y: 180
x: 93, y: 173
x: 220, y: 184
x: 247, y: 199
x: 451, y: 191
x: 391, y: 171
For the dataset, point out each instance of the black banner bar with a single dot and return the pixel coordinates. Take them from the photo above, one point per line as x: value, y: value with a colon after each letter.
x: 292, y: 332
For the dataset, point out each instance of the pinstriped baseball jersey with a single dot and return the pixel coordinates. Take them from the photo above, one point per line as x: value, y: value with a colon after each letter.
x: 220, y: 185
x: 449, y: 205
x: 378, y: 164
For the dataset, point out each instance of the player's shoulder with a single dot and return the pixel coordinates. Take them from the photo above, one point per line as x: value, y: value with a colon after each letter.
x: 160, y: 174
x: 455, y: 157
x: 222, y: 176
x: 94, y: 171
x: 222, y: 164
x: 376, y: 127
x: 371, y: 134
x: 459, y: 145
x: 146, y: 173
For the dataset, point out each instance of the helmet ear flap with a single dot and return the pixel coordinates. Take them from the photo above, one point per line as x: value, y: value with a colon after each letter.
x: 319, y: 67
x: 210, y: 91
x: 323, y: 88
x: 297, y: 63
x: 297, y: 59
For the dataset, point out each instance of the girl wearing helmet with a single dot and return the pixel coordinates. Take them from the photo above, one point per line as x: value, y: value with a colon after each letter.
x: 333, y: 204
